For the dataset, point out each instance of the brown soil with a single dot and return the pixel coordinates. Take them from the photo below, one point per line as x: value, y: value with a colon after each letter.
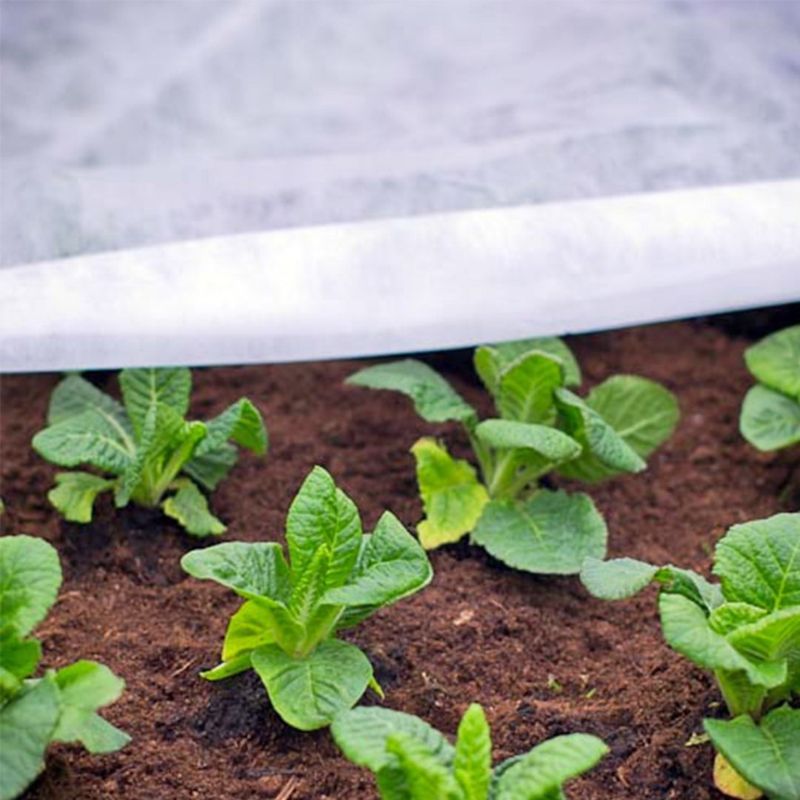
x: 538, y: 653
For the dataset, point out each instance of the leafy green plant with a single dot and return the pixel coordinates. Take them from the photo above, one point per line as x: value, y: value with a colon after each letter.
x: 62, y: 705
x: 413, y: 761
x: 542, y: 426
x: 146, y: 451
x: 335, y: 578
x: 770, y: 418
x: 745, y: 629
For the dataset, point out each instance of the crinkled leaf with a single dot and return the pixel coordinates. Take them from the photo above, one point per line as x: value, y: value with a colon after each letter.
x: 553, y: 445
x: 30, y: 576
x: 309, y: 692
x: 759, y: 562
x: 361, y: 735
x: 75, y: 394
x: 84, y: 687
x: 75, y: 492
x: 605, y: 453
x: 541, y: 773
x: 425, y: 777
x: 434, y: 398
x: 240, y: 422
x: 772, y: 638
x: 526, y: 386
x: 730, y: 616
x: 308, y: 587
x: 26, y: 724
x: 209, y: 469
x: 452, y: 496
x: 552, y: 533
x: 391, y: 565
x: 767, y: 754
x: 472, y: 765
x: 143, y: 388
x: 189, y: 507
x: 321, y: 514
x: 769, y: 420
x: 775, y: 361
x: 251, y: 569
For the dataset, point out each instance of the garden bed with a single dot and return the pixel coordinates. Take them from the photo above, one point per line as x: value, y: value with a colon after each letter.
x: 541, y: 655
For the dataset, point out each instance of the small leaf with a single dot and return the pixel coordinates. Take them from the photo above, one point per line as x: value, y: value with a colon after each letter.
x: 143, y: 388
x: 75, y: 492
x: 250, y: 627
x: 553, y: 533
x: 526, y: 388
x: 766, y: 754
x: 775, y: 361
x: 18, y: 657
x: 452, y: 496
x: 769, y: 420
x: 434, y: 399
x: 209, y: 469
x: 309, y: 692
x: 84, y: 687
x: 616, y: 578
x: 730, y: 782
x: 472, y: 766
x: 190, y: 508
x: 425, y: 777
x: 730, y: 616
x: 772, y: 638
x: 548, y: 442
x: 361, y: 735
x: 241, y: 422
x: 30, y: 577
x: 227, y: 669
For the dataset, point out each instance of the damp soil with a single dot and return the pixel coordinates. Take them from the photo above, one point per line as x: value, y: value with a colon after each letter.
x: 541, y: 655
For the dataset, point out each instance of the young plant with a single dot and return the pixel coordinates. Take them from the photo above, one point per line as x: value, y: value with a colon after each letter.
x: 145, y: 450
x: 770, y: 418
x: 746, y: 630
x: 60, y: 706
x: 541, y: 427
x: 335, y: 578
x: 413, y: 761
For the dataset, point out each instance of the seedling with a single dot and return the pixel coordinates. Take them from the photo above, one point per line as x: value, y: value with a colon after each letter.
x: 146, y: 451
x: 60, y: 706
x: 746, y: 630
x: 770, y: 418
x: 413, y: 761
x: 335, y: 578
x: 542, y: 427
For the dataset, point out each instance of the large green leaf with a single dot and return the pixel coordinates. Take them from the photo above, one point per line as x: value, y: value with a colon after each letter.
x: 251, y: 569
x: 553, y: 533
x: 767, y: 754
x: 209, y: 469
x: 361, y: 735
x: 30, y: 576
x: 321, y: 514
x: 434, y: 399
x: 143, y: 388
x: 189, y: 507
x: 554, y: 446
x: 769, y: 420
x: 26, y: 724
x: 605, y: 452
x: 759, y: 562
x: 309, y: 692
x: 526, y: 386
x: 83, y: 688
x: 775, y: 361
x: 75, y: 394
x: 472, y: 765
x: 75, y: 492
x: 541, y: 773
x: 241, y: 422
x: 425, y: 777
x: 391, y: 565
x: 452, y: 496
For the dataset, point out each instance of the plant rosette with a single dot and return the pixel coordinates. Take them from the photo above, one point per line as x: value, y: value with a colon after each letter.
x: 542, y: 426
x: 146, y: 450
x: 746, y: 630
x: 335, y: 577
x: 413, y: 761
x: 62, y: 705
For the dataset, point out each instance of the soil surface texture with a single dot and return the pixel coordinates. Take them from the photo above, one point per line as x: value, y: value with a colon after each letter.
x: 542, y: 656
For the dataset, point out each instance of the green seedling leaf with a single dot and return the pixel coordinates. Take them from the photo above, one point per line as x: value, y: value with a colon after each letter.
x: 526, y: 386
x: 144, y: 388
x: 552, y: 533
x: 18, y: 657
x: 30, y: 577
x: 424, y: 776
x: 775, y: 361
x: 250, y: 627
x: 190, y: 507
x: 730, y: 616
x: 309, y: 692
x: 213, y: 467
x: 75, y: 492
x: 434, y: 399
x: 767, y: 754
x: 451, y: 495
x: 770, y: 420
x: 472, y: 765
x: 552, y: 445
x: 240, y: 422
x: 75, y: 395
